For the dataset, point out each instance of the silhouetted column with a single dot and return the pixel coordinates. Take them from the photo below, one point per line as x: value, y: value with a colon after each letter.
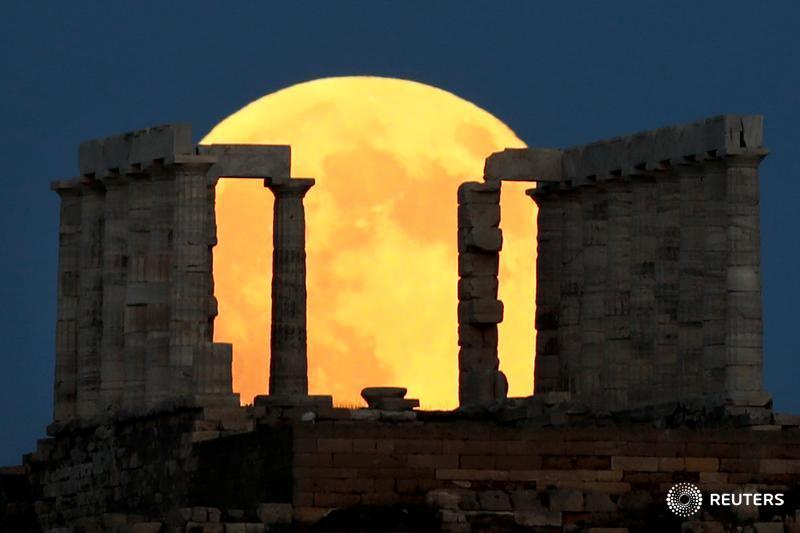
x: 550, y: 373
x: 288, y: 337
x: 480, y: 382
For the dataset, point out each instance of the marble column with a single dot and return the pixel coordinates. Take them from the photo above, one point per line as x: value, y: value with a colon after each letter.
x: 643, y: 298
x: 666, y: 285
x: 288, y: 337
x: 69, y: 271
x: 191, y: 298
x: 90, y: 301
x: 715, y: 262
x: 480, y: 382
x: 690, y: 276
x: 569, y: 320
x: 594, y: 204
x: 136, y: 292
x: 115, y: 261
x: 158, y: 275
x: 732, y: 323
x: 743, y: 323
x: 618, y: 351
x: 550, y: 373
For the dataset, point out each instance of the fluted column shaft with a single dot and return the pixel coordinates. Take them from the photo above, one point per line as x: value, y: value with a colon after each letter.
x: 288, y: 336
x: 69, y: 272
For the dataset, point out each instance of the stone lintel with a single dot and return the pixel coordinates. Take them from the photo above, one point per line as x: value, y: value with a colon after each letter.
x: 135, y: 149
x: 249, y: 160
x: 524, y: 164
x: 716, y: 138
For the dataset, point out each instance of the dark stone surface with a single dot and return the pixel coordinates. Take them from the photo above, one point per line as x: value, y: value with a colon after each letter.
x: 242, y: 470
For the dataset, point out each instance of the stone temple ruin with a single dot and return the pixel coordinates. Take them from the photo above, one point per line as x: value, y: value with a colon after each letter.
x: 648, y: 356
x: 648, y: 273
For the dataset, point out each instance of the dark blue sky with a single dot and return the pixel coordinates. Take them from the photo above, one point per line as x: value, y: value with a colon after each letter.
x: 559, y: 74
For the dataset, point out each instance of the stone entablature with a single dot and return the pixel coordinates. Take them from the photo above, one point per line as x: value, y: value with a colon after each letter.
x: 648, y: 269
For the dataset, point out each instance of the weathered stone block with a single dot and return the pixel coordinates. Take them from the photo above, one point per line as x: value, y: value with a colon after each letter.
x: 473, y: 192
x: 477, y: 287
x: 480, y: 239
x: 275, y: 514
x: 480, y: 311
x: 478, y: 264
x: 248, y: 160
x: 637, y: 464
x: 477, y: 336
x: 566, y: 500
x: 494, y: 500
x: 524, y: 164
x: 478, y: 215
x: 599, y: 502
x: 541, y: 518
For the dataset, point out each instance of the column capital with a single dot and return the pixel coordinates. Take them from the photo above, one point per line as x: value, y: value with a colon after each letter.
x: 542, y: 195
x: 289, y: 188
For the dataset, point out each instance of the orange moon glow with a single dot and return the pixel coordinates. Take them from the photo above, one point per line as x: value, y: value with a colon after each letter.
x: 388, y: 155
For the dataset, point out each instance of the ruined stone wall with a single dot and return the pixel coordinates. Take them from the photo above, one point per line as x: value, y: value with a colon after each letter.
x: 648, y: 265
x: 151, y: 469
x: 601, y: 477
x: 205, y: 467
x: 136, y: 301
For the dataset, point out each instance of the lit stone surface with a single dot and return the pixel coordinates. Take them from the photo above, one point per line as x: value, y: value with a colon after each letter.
x: 648, y: 277
x: 648, y: 273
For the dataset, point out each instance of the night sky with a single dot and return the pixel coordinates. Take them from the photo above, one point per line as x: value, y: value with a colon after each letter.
x: 558, y: 74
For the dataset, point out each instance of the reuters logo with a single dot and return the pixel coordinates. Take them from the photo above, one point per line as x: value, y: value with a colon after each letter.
x: 684, y: 499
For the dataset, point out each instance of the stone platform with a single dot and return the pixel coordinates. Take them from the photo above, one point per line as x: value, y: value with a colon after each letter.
x: 244, y: 469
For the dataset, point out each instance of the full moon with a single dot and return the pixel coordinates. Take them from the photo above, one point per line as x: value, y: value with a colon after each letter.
x: 388, y: 156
